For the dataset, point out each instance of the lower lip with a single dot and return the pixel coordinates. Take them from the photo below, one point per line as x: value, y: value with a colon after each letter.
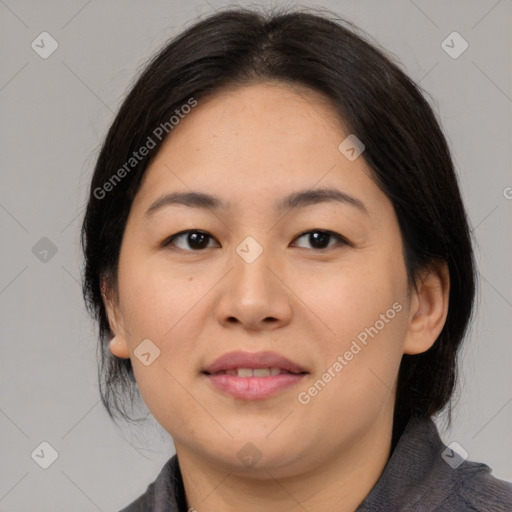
x: 253, y: 388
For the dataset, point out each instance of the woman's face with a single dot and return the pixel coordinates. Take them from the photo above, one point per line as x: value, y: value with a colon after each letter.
x: 262, y: 277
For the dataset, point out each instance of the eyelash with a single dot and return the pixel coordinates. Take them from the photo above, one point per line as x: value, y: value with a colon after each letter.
x: 341, y: 240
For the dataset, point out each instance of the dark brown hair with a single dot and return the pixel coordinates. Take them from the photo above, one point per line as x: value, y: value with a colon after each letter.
x: 405, y: 150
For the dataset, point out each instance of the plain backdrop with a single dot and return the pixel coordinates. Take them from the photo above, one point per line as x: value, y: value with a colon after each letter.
x: 55, y: 112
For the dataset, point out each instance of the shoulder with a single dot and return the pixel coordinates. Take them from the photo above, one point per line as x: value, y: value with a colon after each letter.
x: 472, y: 487
x: 424, y: 475
x: 164, y: 494
x: 452, y: 483
x: 144, y: 503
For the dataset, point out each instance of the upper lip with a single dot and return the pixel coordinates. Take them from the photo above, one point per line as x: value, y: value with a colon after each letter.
x: 242, y: 359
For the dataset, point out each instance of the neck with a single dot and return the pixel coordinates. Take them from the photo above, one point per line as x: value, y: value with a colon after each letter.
x: 340, y: 483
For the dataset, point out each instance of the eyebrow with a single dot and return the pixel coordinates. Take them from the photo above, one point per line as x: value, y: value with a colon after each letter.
x: 295, y: 200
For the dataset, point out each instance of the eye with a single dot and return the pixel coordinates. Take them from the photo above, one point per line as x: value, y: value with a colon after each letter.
x: 194, y: 239
x: 319, y: 239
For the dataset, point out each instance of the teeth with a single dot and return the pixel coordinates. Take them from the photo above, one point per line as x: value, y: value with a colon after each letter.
x: 256, y: 372
x: 244, y: 372
x: 261, y: 372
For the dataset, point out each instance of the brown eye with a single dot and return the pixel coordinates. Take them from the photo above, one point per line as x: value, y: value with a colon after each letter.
x: 320, y: 239
x: 190, y: 240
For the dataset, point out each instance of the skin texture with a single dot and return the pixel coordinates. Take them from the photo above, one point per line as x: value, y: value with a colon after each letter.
x: 251, y: 146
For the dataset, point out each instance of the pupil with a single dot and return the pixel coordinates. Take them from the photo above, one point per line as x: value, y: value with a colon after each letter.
x: 318, y: 238
x: 193, y: 240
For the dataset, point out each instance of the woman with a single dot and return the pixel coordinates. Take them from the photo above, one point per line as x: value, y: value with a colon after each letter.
x: 279, y: 260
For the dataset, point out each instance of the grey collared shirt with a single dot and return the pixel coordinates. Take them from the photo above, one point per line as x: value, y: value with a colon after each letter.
x: 422, y: 475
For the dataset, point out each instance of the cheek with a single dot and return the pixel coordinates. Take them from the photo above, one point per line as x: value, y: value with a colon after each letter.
x: 361, y: 333
x: 348, y: 300
x: 164, y: 306
x: 157, y: 298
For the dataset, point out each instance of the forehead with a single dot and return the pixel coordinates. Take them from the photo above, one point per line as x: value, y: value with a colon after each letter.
x: 256, y: 141
x: 256, y: 113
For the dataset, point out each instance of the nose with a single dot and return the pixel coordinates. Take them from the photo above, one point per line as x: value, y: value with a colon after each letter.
x: 254, y: 294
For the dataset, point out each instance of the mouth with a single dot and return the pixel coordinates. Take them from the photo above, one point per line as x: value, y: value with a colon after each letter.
x: 255, y: 372
x: 253, y: 376
x: 243, y: 361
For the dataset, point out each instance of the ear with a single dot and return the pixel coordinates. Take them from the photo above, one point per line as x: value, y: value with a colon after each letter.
x: 118, y: 344
x: 429, y: 308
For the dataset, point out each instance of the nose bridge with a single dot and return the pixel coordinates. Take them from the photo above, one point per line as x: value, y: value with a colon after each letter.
x: 252, y: 294
x: 251, y: 261
x: 250, y: 250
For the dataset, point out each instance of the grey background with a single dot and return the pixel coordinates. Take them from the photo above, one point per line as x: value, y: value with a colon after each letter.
x: 56, y: 111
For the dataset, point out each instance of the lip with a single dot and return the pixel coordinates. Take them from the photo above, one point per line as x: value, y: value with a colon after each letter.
x: 253, y: 388
x: 243, y: 359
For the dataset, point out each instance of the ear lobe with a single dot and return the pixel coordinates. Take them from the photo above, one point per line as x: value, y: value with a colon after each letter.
x: 118, y: 344
x: 119, y: 347
x: 429, y: 308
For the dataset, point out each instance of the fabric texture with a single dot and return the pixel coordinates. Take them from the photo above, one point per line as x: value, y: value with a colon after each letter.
x: 421, y: 475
